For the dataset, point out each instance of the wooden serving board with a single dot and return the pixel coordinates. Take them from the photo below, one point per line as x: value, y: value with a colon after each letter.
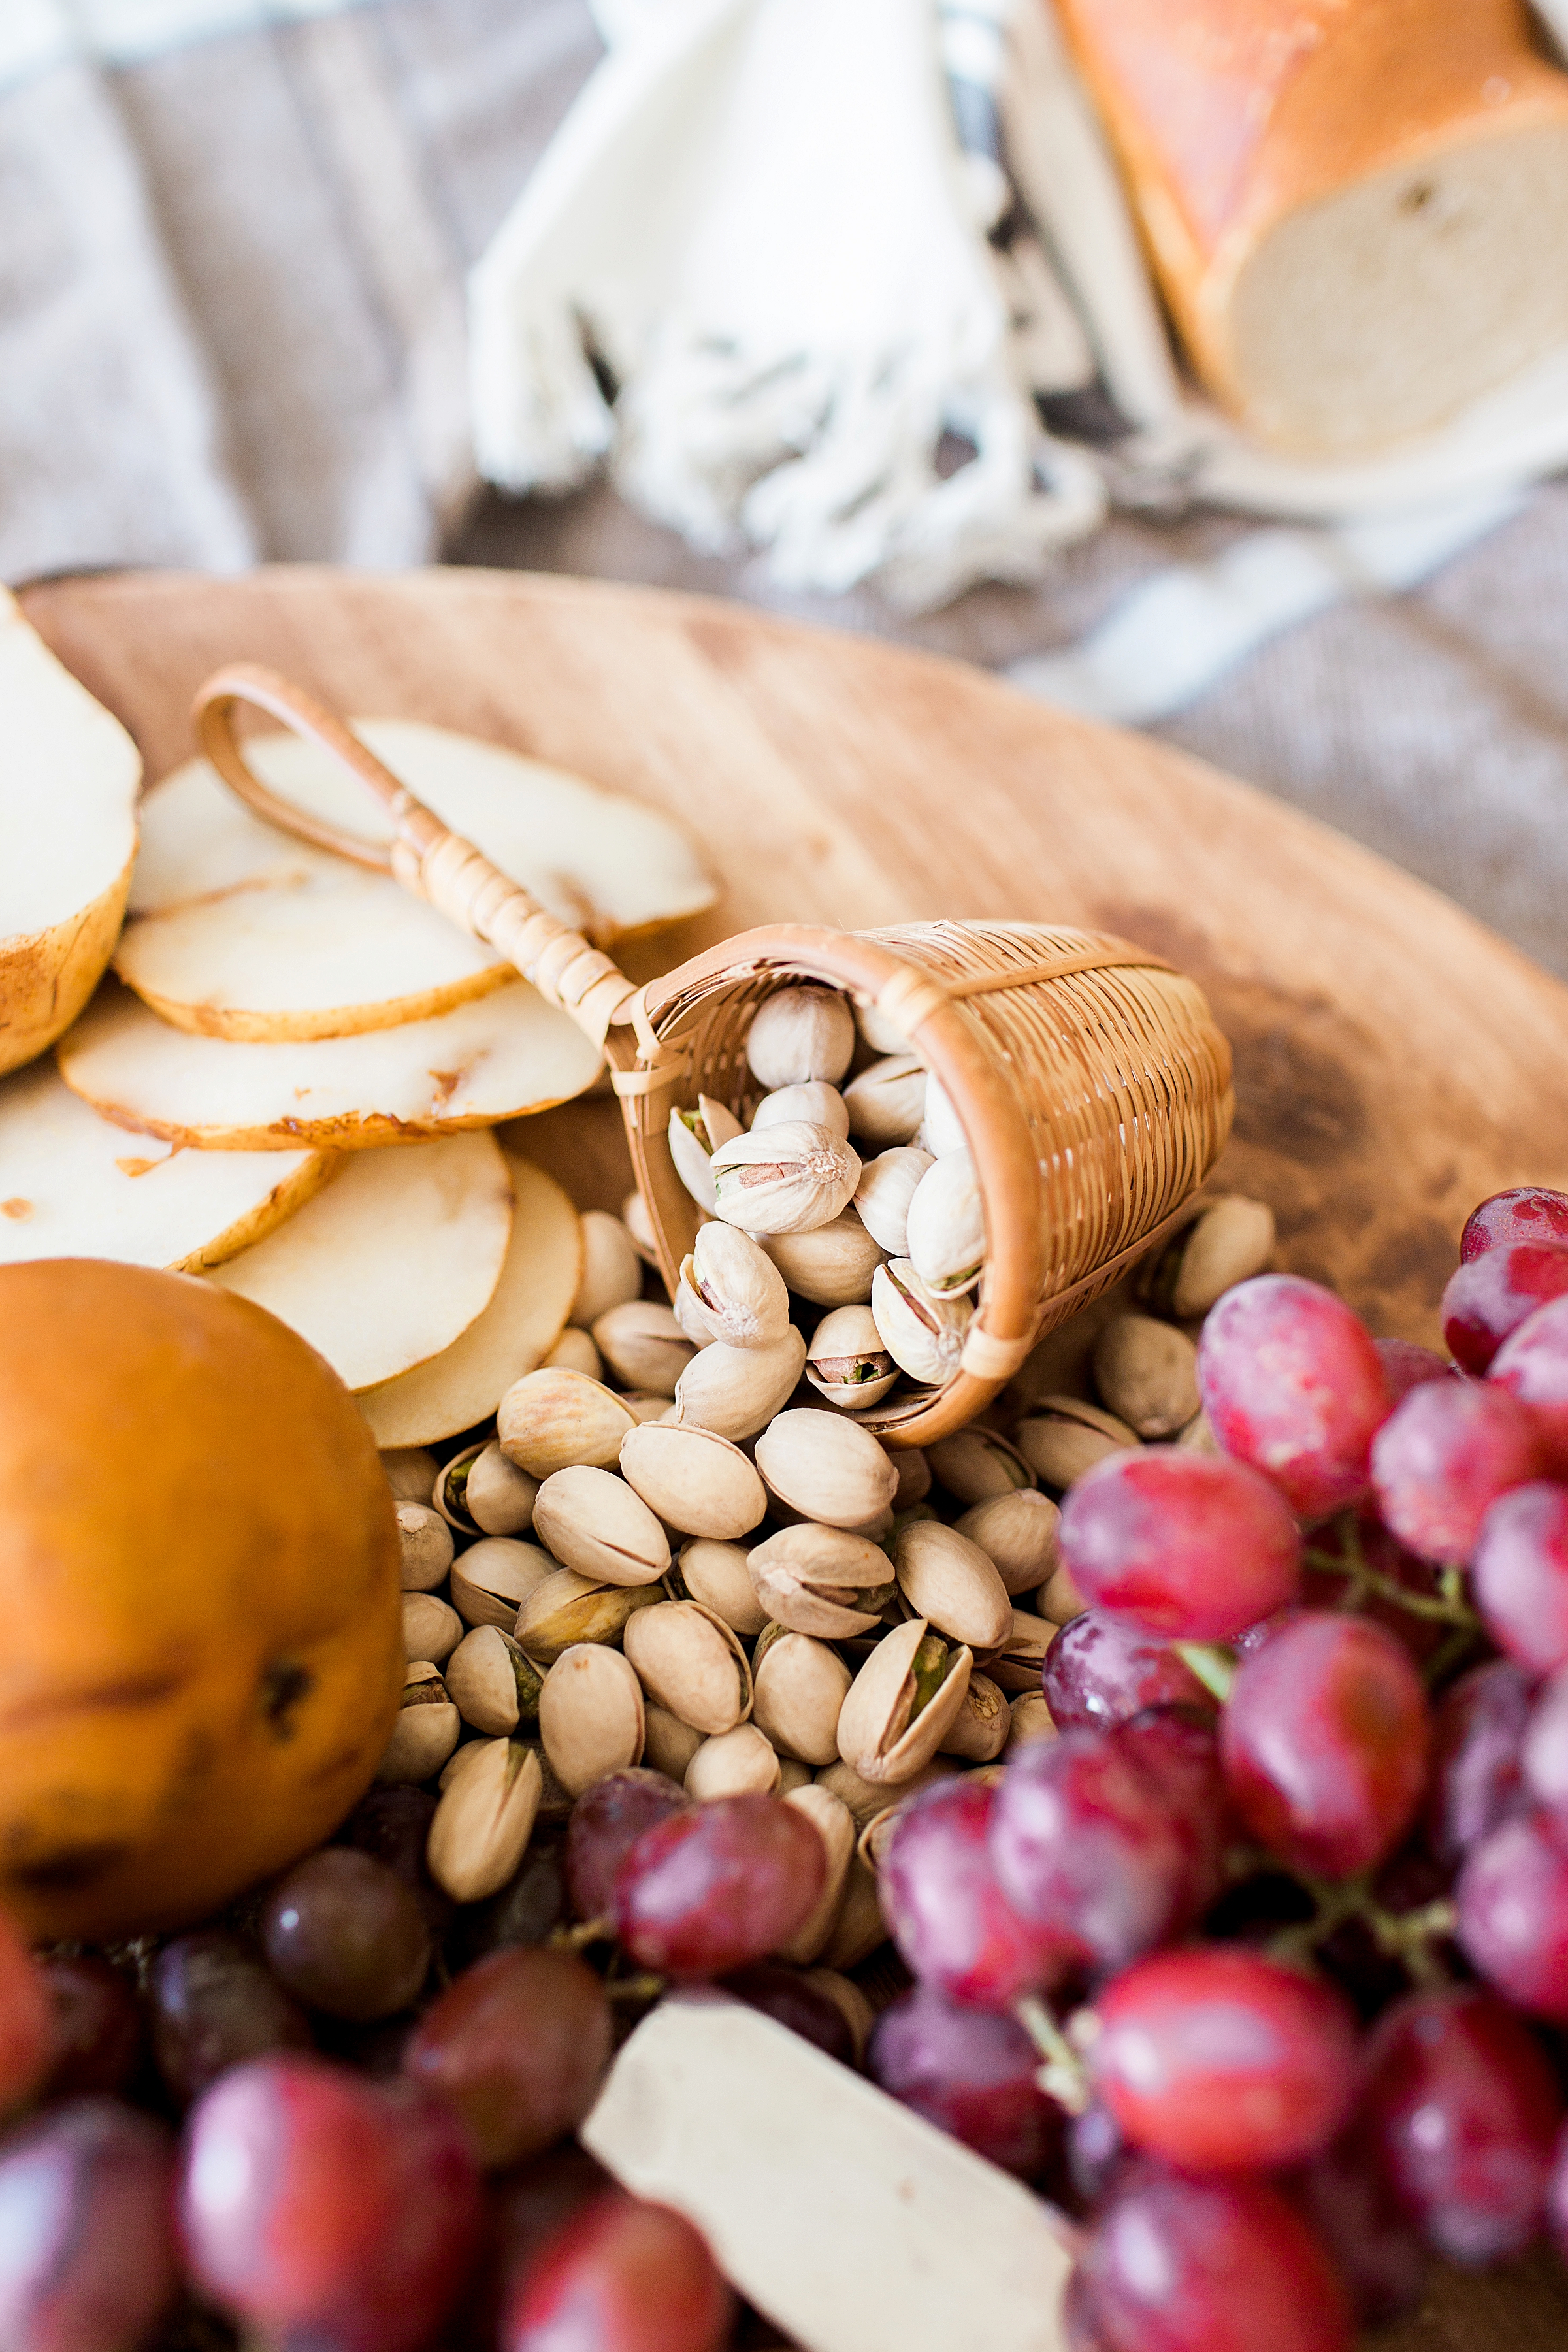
x: 1395, y: 1061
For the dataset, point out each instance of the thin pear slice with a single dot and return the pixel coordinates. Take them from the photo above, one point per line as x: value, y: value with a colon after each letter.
x: 495, y: 1059
x: 396, y: 1257
x: 68, y: 775
x: 239, y: 931
x: 74, y: 1185
x: 513, y: 1336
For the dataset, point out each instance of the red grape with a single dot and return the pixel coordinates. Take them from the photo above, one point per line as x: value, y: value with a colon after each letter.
x: 1093, y: 1843
x: 1463, y: 2108
x: 1513, y: 1900
x: 1347, y: 2196
x: 1520, y: 1575
x: 1405, y: 1366
x: 1491, y: 1295
x: 1292, y: 1383
x: 1533, y: 1365
x: 1557, y: 2196
x: 1218, y: 2060
x: 1529, y: 1212
x: 1099, y: 1672
x: 345, y: 1934
x: 1324, y: 1740
x: 1544, y: 1751
x: 517, y: 2045
x: 620, y: 2276
x: 1192, y: 1546
x: 318, y: 2207
x: 98, y: 2031
x: 948, y: 1916
x: 1444, y: 1455
x: 606, y: 1821
x: 86, y: 2254
x: 784, y: 1994
x: 716, y: 1885
x: 214, y: 2003
x: 26, y: 2020
x: 969, y: 2071
x: 1179, y: 2266
x: 1475, y: 1736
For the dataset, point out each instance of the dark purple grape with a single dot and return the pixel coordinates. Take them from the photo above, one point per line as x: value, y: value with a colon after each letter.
x: 344, y: 1933
x: 1099, y: 1672
x: 1477, y: 1732
x: 1463, y: 2109
x: 1292, y: 1383
x: 946, y: 1912
x: 606, y: 1821
x: 99, y: 2031
x: 87, y: 2251
x: 392, y: 1824
x: 971, y: 2074
x: 1513, y: 1900
x: 784, y: 1994
x: 527, y: 1910
x: 1529, y: 1212
x: 1383, y: 2258
x: 1444, y: 1456
x: 213, y: 2002
x: 517, y: 2046
x: 1096, y: 2152
x: 1520, y: 1575
x: 714, y: 1887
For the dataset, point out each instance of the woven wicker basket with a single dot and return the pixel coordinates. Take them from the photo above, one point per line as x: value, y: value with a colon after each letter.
x: 1090, y: 1078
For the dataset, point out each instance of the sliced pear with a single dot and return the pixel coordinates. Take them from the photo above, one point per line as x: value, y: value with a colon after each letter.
x: 74, y: 1185
x: 68, y: 776
x: 239, y: 931
x: 499, y: 1059
x: 513, y: 1336
x: 396, y: 1257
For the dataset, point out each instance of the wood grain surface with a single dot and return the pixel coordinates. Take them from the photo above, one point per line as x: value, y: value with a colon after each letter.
x: 1394, y: 1060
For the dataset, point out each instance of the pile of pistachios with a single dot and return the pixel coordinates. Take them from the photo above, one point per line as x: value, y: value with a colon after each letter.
x: 679, y: 1548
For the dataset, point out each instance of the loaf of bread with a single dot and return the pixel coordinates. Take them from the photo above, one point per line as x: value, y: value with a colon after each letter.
x: 1357, y: 209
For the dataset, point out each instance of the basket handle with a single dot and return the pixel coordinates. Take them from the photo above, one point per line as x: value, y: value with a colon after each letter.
x: 424, y: 854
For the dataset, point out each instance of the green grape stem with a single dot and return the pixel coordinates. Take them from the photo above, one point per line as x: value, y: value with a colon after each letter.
x: 1447, y: 1606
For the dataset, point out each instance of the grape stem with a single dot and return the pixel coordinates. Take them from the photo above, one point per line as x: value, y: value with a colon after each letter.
x: 587, y: 1931
x: 1211, y: 1662
x: 1445, y: 1607
x: 1407, y: 1936
x: 1064, y: 2077
x: 641, y: 1987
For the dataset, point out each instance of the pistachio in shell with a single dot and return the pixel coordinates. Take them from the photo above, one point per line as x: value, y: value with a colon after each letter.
x: 497, y: 1495
x: 432, y: 1629
x: 643, y: 1346
x: 560, y: 1420
x: 953, y: 1585
x: 941, y: 1129
x: 612, y: 1270
x: 923, y: 1334
x: 850, y: 2002
x: 831, y: 1266
x: 975, y: 1464
x: 1019, y: 1532
x: 738, y: 1763
x: 493, y: 1577
x: 830, y: 1469
x: 736, y: 1392
x: 914, y: 1476
x: 865, y: 1797
x: 1060, y: 1600
x: 639, y: 1226
x: 668, y: 1745
x: 846, y: 1361
x: 902, y: 1703
x: 1229, y: 1240
x: 426, y: 1728
x: 575, y: 1352
x: 729, y: 1289
x: 859, y: 1930
x: 411, y: 1472
x: 784, y: 1179
x: 491, y: 1682
x: 1016, y: 1663
x: 693, y: 1480
x: 799, y: 1034
x: 821, y: 1581
x: 799, y: 1685
x: 593, y: 1521
x: 1199, y: 1437
x: 830, y: 1817
x: 984, y: 1723
x: 426, y: 1541
x: 694, y: 1136
x: 1063, y: 1437
x: 718, y: 1575
x: 887, y: 1101
x: 568, y: 1608
x: 883, y: 1197
x: 794, y: 1774
x: 1031, y: 1720
x: 481, y: 1826
x: 590, y: 1715
x: 814, y: 1101
x: 1147, y: 1373
x: 946, y: 1225
x: 689, y: 1662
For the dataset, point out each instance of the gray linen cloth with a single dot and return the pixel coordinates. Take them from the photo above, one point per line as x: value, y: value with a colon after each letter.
x: 233, y: 240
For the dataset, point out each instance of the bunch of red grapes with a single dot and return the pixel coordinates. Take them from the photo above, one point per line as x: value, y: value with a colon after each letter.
x: 1284, y: 1908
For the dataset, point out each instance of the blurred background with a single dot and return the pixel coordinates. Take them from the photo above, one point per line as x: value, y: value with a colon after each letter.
x: 849, y: 309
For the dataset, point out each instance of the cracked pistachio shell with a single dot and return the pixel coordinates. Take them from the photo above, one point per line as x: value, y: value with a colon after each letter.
x: 821, y: 1581
x: 426, y: 1546
x: 816, y: 1102
x: 846, y: 1361
x: 449, y: 1495
x: 799, y: 1685
x: 984, y: 1723
x: 941, y: 1129
x: 668, y: 1745
x: 426, y: 1728
x: 480, y: 1829
x: 974, y: 1464
x: 693, y: 1480
x: 1019, y: 1533
x: 492, y: 1580
x: 694, y: 1136
x: 1016, y: 1662
x: 643, y: 1346
x: 735, y: 1391
x: 887, y: 1101
x: 718, y: 1577
x: 923, y: 1334
x: 491, y: 1683
x: 1229, y: 1240
x: 830, y: 1817
x: 1060, y: 1600
x: 783, y: 1180
x: 949, y: 1581
x: 552, y: 1421
x: 830, y: 1470
x: 946, y: 1225
x: 593, y: 1521
x: 729, y: 1289
x: 590, y: 1715
x: 883, y: 1197
x: 690, y: 1662
x: 688, y: 1311
x: 831, y: 1267
x: 1031, y: 1720
x: 865, y: 1799
x: 902, y: 1703
x: 738, y: 1763
x: 1147, y: 1373
x: 431, y: 1628
x: 800, y: 1034
x: 411, y: 1473
x: 498, y: 1495
x: 612, y: 1270
x: 1063, y: 1437
x: 567, y: 1608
